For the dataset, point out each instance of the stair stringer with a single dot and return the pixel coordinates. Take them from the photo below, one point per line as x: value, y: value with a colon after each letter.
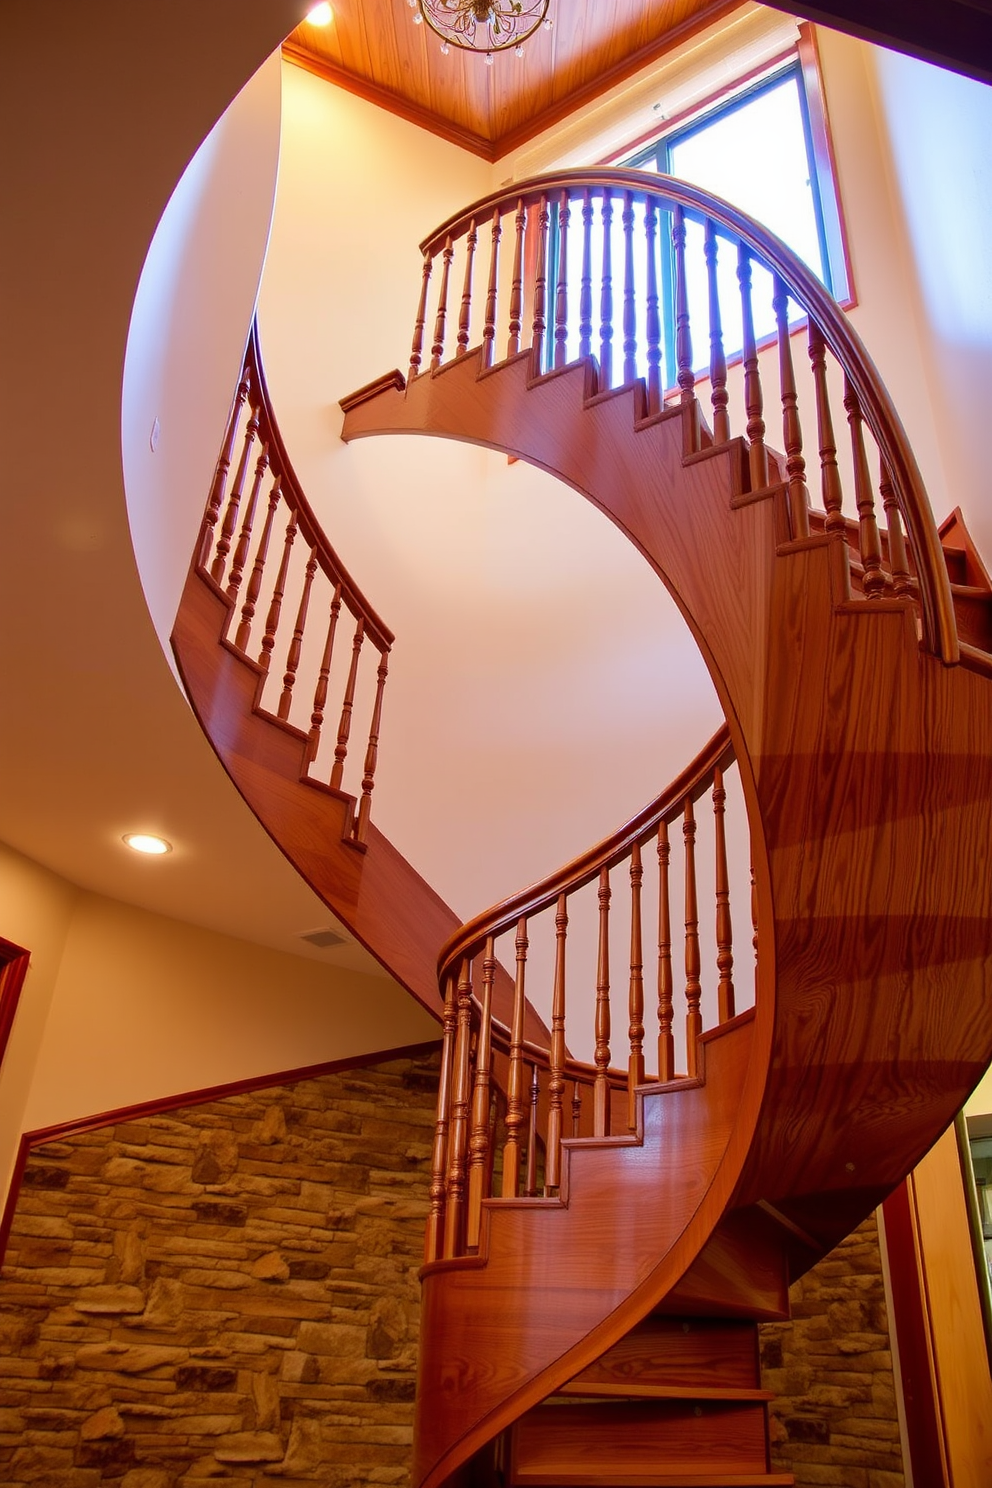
x: 867, y: 771
x: 557, y: 1282
x: 379, y: 896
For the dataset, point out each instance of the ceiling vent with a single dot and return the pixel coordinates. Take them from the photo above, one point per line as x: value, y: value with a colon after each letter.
x: 324, y: 938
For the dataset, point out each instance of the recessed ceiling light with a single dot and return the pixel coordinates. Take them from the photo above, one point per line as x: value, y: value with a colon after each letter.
x: 321, y: 15
x: 144, y: 842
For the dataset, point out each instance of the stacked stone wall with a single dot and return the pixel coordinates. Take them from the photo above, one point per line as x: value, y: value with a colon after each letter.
x: 226, y: 1292
x: 229, y: 1293
x: 834, y: 1422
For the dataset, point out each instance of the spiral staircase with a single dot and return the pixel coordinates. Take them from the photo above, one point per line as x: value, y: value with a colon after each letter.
x: 605, y: 1236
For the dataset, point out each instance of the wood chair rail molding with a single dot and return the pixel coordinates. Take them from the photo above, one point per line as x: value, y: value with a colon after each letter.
x: 612, y: 223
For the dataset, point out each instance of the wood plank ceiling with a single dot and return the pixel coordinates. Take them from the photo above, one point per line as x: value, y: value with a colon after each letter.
x: 373, y: 49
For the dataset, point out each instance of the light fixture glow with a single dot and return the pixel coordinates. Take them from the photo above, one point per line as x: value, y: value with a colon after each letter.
x: 145, y: 842
x: 486, y: 26
x: 321, y: 15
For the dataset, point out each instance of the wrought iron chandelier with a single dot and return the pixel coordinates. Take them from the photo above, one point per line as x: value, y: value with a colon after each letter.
x: 483, y: 25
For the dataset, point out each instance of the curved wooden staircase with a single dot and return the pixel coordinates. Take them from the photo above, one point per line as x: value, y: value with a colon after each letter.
x: 590, y: 1300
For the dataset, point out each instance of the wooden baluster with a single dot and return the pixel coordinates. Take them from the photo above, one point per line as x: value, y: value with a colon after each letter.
x: 718, y: 357
x: 635, y: 1065
x: 258, y: 567
x: 465, y: 314
x: 792, y: 434
x: 433, y: 1239
x: 753, y: 402
x: 479, y: 1141
x: 829, y: 474
x: 585, y: 289
x: 230, y: 523
x: 347, y: 707
x: 898, y: 558
x: 489, y: 329
x: 556, y: 1082
x: 530, y: 1177
x: 576, y: 1109
x: 296, y: 644
x: 754, y: 928
x: 601, y: 1085
x: 517, y: 282
x: 320, y: 692
x: 652, y: 311
x: 278, y: 594
x: 724, y: 928
x: 561, y: 286
x: 219, y: 483
x: 516, y: 1114
x: 683, y: 330
x: 417, y: 350
x: 629, y: 293
x: 540, y: 286
x: 666, y: 1008
x: 371, y: 753
x: 454, y: 1215
x: 873, y: 579
x: 693, y: 990
x: 440, y: 320
x: 606, y: 297
x: 248, y: 522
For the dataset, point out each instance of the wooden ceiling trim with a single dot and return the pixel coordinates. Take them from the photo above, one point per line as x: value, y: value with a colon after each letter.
x: 653, y: 51
x: 404, y: 108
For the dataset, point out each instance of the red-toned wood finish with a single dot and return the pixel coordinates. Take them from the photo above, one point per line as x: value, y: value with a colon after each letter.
x: 866, y: 761
x: 14, y: 962
x: 374, y: 50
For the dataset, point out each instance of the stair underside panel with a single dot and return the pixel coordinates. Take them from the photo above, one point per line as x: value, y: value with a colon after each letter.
x: 558, y: 1284
x: 874, y: 780
x: 376, y: 893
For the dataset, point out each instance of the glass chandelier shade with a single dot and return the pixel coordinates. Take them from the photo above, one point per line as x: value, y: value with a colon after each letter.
x: 484, y: 25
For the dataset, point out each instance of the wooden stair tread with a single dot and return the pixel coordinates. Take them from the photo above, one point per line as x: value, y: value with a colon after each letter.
x: 635, y: 1391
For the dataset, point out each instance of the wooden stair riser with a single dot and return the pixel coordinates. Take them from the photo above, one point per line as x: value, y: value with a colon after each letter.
x: 563, y: 1444
x: 510, y: 1338
x: 667, y: 1351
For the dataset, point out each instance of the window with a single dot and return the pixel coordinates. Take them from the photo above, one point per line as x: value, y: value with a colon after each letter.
x: 764, y: 149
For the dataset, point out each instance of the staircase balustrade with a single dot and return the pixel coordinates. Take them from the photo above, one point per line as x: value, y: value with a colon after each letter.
x: 287, y: 599
x: 503, y: 1137
x: 626, y: 239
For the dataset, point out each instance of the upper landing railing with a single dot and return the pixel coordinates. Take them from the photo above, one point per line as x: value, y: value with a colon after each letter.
x: 275, y: 587
x: 583, y: 263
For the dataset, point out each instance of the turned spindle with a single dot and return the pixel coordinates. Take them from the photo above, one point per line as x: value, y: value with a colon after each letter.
x: 635, y: 1001
x: 585, y: 286
x: 719, y: 397
x: 753, y: 400
x: 465, y: 312
x: 666, y: 1009
x: 693, y: 989
x: 561, y: 285
x: 454, y: 1216
x: 724, y: 928
x: 606, y: 296
x: 556, y: 1082
x: 792, y: 434
x: 479, y: 1139
x: 601, y: 1086
x: 516, y: 1103
x: 433, y: 1240
x: 347, y: 707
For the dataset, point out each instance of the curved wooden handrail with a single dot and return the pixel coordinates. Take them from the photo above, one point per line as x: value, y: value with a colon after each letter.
x: 281, y: 467
x: 239, y: 552
x: 866, y: 397
x: 693, y: 781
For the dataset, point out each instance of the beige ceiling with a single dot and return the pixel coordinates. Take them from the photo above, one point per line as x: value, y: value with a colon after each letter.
x: 373, y: 49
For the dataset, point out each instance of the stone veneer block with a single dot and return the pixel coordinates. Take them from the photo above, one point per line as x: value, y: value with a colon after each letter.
x: 227, y: 1292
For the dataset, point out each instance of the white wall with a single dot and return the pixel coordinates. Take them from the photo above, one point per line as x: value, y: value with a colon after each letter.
x: 202, y: 270
x: 542, y: 687
x: 121, y: 1005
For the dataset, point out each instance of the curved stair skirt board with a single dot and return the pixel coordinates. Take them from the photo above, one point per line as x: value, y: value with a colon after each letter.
x: 866, y: 765
x: 374, y: 892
